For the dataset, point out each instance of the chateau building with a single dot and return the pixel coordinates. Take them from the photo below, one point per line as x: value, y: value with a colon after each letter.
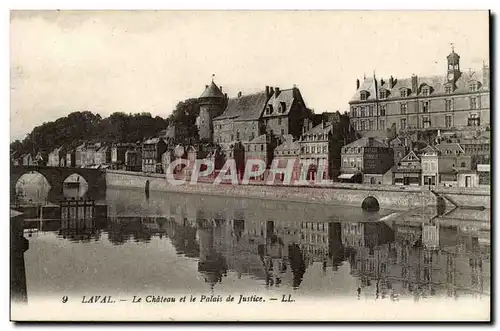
x: 272, y: 112
x: 453, y: 101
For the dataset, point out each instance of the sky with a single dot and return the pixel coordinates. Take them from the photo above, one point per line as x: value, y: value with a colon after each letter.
x: 135, y: 61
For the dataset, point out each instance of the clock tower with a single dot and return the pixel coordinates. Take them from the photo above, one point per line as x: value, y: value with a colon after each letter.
x: 453, y: 72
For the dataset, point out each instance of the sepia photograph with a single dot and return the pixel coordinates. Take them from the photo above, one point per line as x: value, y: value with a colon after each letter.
x: 218, y: 165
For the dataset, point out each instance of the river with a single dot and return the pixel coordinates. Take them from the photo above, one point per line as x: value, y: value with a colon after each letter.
x: 167, y: 244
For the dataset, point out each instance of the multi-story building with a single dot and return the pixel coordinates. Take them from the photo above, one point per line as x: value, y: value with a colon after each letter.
x: 118, y: 154
x: 408, y: 171
x: 458, y: 99
x: 284, y: 112
x: 133, y: 159
x: 261, y: 148
x: 274, y: 112
x: 57, y: 158
x: 429, y: 159
x: 366, y: 160
x: 288, y: 151
x: 319, y: 150
x: 152, y: 151
x: 102, y: 155
x: 451, y: 161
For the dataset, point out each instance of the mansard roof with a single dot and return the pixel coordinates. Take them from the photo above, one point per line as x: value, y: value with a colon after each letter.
x: 437, y: 83
x: 365, y: 142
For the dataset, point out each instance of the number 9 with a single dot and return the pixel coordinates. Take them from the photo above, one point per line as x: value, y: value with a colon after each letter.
x: 64, y: 299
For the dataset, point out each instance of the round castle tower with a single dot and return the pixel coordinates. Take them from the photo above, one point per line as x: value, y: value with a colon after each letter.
x: 212, y: 102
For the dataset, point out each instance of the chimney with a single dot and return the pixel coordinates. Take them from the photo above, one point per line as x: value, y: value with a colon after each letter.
x: 414, y: 83
x: 382, y: 81
x: 220, y: 88
x: 271, y: 91
x: 206, y: 86
x: 357, y: 84
x: 267, y: 92
x: 239, y: 94
x: 277, y: 91
x: 391, y: 82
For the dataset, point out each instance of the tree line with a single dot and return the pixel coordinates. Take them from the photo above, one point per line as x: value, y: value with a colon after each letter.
x: 86, y: 126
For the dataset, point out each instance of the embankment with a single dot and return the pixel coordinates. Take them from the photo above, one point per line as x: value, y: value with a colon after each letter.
x: 388, y: 197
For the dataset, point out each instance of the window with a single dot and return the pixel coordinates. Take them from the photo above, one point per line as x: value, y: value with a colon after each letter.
x: 313, y: 149
x: 473, y: 103
x: 364, y: 95
x: 363, y: 114
x: 448, y: 89
x: 403, y: 93
x: 370, y: 125
x: 404, y: 107
x: 473, y: 87
x: 232, y: 137
x: 462, y: 164
x: 279, y: 121
x: 261, y: 148
x: 269, y: 110
x: 354, y: 112
x: 324, y: 148
x: 403, y: 123
x: 282, y: 132
x: 362, y: 125
x: 237, y: 135
x: 370, y: 110
x: 382, y: 110
x: 426, y: 122
x: 383, y: 94
x: 425, y: 91
x: 447, y: 121
x: 425, y: 106
x: 473, y: 120
x: 382, y: 124
x: 282, y: 107
x: 448, y: 105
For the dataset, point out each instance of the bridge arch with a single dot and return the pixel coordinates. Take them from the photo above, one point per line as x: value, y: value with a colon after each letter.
x: 370, y: 203
x: 75, y: 186
x: 31, y: 186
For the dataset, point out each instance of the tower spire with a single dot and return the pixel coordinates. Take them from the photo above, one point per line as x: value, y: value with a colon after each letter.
x: 213, y: 75
x: 452, y: 47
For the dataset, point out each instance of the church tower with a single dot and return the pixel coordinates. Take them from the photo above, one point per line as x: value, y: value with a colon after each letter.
x: 453, y: 72
x: 212, y: 102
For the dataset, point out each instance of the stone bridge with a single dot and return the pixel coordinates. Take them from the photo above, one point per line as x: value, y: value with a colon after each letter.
x: 96, y: 180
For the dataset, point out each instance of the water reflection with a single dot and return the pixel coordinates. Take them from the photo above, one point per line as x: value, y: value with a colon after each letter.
x: 224, y: 246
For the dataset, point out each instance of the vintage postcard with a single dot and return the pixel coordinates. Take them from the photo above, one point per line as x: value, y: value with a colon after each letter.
x: 250, y: 165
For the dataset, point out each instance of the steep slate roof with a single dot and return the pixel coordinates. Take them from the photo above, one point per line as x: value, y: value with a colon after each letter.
x: 245, y: 108
x: 212, y: 91
x: 436, y: 82
x: 288, y: 144
x: 364, y: 142
x: 320, y: 129
x: 429, y: 149
x: 286, y: 96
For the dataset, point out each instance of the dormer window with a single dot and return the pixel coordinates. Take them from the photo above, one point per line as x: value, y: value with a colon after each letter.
x: 403, y: 92
x: 383, y: 94
x: 282, y: 107
x: 269, y: 110
x: 425, y: 91
x: 448, y: 89
x: 363, y: 95
x: 473, y: 86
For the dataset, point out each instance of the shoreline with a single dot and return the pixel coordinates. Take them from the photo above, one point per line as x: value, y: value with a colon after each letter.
x: 387, y: 196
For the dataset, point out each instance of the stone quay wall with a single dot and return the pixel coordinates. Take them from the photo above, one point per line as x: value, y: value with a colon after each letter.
x: 388, y: 196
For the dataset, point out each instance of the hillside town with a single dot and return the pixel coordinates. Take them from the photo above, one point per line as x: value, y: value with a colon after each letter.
x: 416, y: 131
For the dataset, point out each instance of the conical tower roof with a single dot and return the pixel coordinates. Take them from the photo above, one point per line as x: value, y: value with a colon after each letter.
x: 212, y: 91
